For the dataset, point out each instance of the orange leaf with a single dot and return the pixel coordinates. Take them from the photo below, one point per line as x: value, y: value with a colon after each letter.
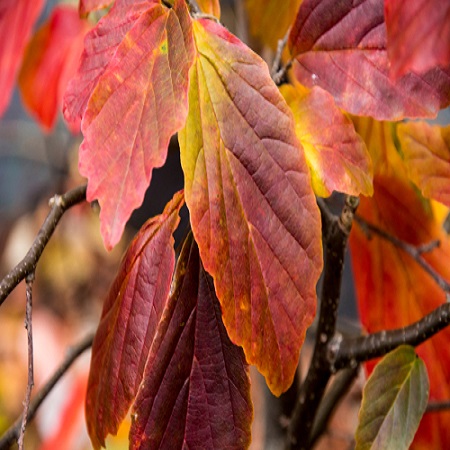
x: 139, y: 101
x: 336, y: 155
x: 418, y: 35
x: 210, y: 7
x: 394, y: 291
x: 51, y: 59
x: 426, y: 150
x: 17, y: 18
x: 130, y: 316
x: 253, y: 212
x: 270, y: 20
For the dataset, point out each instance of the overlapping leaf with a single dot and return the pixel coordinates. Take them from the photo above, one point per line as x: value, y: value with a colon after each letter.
x: 418, y: 35
x: 17, y: 18
x: 341, y: 46
x: 87, y: 6
x: 210, y: 7
x: 253, y: 212
x: 426, y: 150
x: 196, y: 390
x: 51, y: 59
x: 394, y: 400
x: 393, y: 290
x: 336, y: 155
x: 130, y: 316
x: 139, y: 102
x: 270, y: 20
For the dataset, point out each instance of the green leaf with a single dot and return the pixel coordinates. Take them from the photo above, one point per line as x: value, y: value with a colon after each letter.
x: 394, y: 400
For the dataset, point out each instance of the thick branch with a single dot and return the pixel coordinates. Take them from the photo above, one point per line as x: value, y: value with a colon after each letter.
x: 335, y: 234
x: 59, y: 205
x: 347, y: 352
x: 11, y: 435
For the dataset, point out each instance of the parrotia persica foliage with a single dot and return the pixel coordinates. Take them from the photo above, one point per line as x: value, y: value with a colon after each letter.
x: 175, y: 338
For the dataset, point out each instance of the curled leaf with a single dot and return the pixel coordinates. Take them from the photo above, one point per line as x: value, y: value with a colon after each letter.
x: 336, y: 155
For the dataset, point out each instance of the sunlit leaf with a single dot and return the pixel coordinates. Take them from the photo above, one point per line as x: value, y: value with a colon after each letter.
x: 51, y: 59
x: 253, y: 212
x: 131, y: 313
x: 426, y: 150
x: 336, y: 155
x: 139, y: 102
x: 341, y: 47
x: 210, y: 7
x: 394, y: 400
x: 196, y: 391
x: 393, y: 290
x: 17, y: 18
x: 270, y: 20
x: 418, y: 35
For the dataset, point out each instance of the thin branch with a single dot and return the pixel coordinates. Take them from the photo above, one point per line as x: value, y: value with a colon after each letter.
x: 415, y: 252
x: 193, y: 7
x: 30, y: 383
x: 335, y: 233
x: 438, y: 406
x: 347, y: 352
x: 12, y: 433
x: 336, y: 393
x: 277, y: 72
x: 59, y: 205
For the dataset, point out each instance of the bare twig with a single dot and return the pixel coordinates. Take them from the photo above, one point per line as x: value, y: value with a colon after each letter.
x: 415, y: 252
x: 347, y: 352
x: 59, y: 205
x: 335, y: 234
x: 277, y: 73
x: 30, y: 384
x: 13, y: 432
x: 438, y: 406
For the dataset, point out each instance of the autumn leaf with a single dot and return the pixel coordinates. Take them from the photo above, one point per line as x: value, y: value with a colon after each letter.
x: 130, y: 316
x: 253, y: 212
x: 418, y: 35
x: 196, y: 390
x: 394, y: 400
x: 138, y: 103
x: 17, y: 18
x: 87, y: 6
x: 270, y: 20
x: 51, y: 59
x: 426, y: 151
x: 336, y: 155
x: 341, y: 47
x: 210, y: 7
x: 393, y: 290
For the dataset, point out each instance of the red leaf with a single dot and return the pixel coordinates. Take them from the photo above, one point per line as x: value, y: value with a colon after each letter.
x: 196, y: 390
x: 51, y: 59
x: 131, y: 313
x: 139, y: 102
x: 394, y: 291
x: 341, y: 46
x: 253, y: 212
x: 17, y: 18
x: 426, y: 150
x: 418, y: 33
x: 336, y: 155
